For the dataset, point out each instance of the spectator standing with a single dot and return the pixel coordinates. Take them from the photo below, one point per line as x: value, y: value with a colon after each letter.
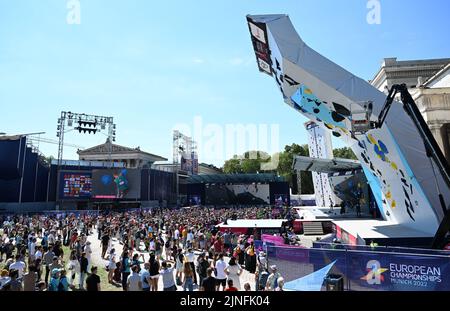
x: 221, y: 277
x: 154, y: 272
x: 167, y: 276
x: 145, y: 277
x: 83, y: 270
x: 188, y: 277
x: 48, y: 260
x: 18, y: 265
x: 134, y: 283
x: 93, y: 281
x: 209, y: 283
x: 233, y: 272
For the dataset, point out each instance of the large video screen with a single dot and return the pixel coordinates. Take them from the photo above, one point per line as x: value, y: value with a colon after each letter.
x: 75, y: 185
x: 116, y: 184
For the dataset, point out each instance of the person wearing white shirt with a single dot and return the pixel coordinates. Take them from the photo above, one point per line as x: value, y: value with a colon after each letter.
x: 38, y: 254
x: 51, y: 238
x: 221, y: 276
x: 88, y: 251
x: 134, y: 280
x: 152, y: 245
x: 18, y: 265
x: 190, y: 238
x: 32, y: 248
x: 145, y: 277
x: 176, y: 234
x: 190, y: 257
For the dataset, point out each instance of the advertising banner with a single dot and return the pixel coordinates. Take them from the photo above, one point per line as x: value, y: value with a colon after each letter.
x: 398, y: 272
x: 275, y: 240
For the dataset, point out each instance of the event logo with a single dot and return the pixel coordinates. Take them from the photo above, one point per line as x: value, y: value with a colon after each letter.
x: 374, y: 274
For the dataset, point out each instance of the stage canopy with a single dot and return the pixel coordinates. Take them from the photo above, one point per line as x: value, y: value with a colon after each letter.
x: 324, y: 165
x: 234, y: 179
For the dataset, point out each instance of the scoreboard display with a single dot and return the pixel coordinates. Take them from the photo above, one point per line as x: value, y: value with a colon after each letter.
x: 75, y: 185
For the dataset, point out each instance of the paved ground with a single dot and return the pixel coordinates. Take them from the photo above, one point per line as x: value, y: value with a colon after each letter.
x: 101, y: 263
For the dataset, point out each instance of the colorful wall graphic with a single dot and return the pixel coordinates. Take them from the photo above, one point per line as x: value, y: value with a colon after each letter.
x: 403, y: 178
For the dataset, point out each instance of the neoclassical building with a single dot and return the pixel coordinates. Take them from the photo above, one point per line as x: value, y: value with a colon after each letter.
x: 429, y: 84
x: 132, y: 157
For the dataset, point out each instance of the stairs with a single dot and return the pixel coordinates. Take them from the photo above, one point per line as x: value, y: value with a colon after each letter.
x: 313, y: 228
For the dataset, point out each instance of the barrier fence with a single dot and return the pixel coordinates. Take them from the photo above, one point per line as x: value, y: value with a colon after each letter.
x: 360, y: 270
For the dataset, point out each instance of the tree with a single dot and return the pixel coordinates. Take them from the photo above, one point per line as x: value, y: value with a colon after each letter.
x: 286, y: 159
x: 344, y: 153
x: 232, y: 166
x: 249, y: 163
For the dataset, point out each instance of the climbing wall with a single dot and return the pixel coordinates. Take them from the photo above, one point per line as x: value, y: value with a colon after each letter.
x: 320, y: 146
x: 404, y: 180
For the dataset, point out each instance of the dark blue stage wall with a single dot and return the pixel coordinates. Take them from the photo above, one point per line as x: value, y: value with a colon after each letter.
x: 12, y: 153
x: 157, y: 185
x: 21, y: 169
x: 24, y: 177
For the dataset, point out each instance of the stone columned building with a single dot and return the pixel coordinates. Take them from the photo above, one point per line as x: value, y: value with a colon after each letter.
x: 429, y: 84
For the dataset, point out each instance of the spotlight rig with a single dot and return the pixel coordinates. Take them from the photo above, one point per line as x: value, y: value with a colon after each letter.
x: 90, y: 124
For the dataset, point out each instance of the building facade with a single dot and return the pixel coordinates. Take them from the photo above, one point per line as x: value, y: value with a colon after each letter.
x: 429, y: 84
x: 131, y: 157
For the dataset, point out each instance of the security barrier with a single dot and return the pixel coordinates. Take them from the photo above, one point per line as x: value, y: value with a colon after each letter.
x: 360, y: 270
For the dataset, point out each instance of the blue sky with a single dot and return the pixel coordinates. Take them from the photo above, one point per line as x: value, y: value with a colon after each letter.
x: 154, y: 64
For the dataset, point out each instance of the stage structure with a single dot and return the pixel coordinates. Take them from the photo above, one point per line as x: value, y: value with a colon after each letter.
x: 185, y: 158
x: 86, y: 124
x: 401, y: 160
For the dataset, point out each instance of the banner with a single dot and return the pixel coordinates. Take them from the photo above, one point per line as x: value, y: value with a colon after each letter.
x: 398, y: 272
x: 275, y: 240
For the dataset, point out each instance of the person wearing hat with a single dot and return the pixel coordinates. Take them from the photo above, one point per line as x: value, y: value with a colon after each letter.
x: 272, y: 280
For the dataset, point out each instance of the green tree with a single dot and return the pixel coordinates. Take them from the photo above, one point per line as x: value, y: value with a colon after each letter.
x: 286, y: 159
x: 249, y: 163
x: 232, y: 166
x: 344, y: 153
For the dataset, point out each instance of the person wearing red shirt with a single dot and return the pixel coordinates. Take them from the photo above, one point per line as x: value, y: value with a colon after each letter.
x: 218, y: 246
x: 230, y: 287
